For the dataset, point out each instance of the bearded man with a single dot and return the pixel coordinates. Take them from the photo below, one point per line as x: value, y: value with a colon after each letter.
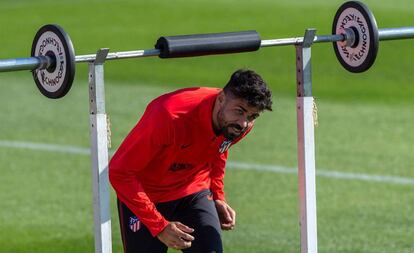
x: 168, y: 172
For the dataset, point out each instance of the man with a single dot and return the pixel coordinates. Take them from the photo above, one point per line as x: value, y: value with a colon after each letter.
x: 168, y: 173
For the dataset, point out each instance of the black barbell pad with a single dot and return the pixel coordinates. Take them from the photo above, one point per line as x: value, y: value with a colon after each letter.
x: 368, y: 53
x: 208, y: 44
x: 55, y: 81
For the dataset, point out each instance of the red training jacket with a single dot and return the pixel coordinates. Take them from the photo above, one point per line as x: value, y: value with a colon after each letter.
x: 171, y: 153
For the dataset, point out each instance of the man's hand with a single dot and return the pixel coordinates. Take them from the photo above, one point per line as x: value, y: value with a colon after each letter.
x: 175, y: 235
x: 226, y: 214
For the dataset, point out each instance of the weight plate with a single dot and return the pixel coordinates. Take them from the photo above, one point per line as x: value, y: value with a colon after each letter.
x: 360, y: 56
x: 56, y: 80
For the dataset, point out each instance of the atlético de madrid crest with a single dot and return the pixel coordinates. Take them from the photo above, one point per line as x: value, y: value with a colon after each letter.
x: 134, y: 224
x: 224, y: 146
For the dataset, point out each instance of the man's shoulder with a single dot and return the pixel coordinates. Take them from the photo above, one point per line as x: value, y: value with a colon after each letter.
x: 192, y: 93
x: 184, y: 100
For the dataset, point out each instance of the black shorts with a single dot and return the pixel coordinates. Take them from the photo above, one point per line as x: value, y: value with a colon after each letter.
x: 196, y: 211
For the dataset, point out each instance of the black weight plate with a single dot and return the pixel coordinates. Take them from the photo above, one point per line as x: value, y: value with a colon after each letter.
x: 359, y: 57
x: 53, y: 41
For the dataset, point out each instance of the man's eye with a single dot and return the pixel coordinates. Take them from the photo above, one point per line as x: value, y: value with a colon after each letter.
x: 253, y: 117
x: 239, y: 112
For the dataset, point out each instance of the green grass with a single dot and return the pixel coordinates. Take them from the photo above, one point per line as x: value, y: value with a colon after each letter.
x: 47, y: 196
x: 365, y: 123
x: 130, y: 25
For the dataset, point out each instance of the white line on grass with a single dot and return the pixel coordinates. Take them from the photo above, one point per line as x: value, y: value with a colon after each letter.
x: 45, y: 147
x: 230, y: 164
x: 324, y: 173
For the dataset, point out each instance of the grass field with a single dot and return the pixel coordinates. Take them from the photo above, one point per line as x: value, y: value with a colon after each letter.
x: 365, y: 124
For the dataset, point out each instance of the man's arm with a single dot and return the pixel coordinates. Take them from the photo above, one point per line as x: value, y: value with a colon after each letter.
x: 226, y: 214
x: 218, y: 171
x: 217, y: 176
x: 152, y: 133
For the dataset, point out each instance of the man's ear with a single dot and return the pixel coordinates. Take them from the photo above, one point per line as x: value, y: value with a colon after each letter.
x: 221, y: 97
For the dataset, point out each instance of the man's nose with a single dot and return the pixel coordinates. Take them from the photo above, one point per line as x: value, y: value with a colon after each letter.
x: 243, y: 123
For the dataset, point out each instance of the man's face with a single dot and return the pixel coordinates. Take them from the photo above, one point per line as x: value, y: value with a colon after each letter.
x: 235, y: 116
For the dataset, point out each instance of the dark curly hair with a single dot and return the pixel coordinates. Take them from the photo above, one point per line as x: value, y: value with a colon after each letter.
x: 248, y: 85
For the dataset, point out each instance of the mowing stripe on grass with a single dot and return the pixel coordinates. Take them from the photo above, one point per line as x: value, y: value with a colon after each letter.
x: 230, y: 164
x: 45, y: 147
x: 325, y: 173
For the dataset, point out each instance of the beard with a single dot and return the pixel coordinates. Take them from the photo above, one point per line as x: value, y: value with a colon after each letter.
x: 228, y: 134
x: 228, y: 129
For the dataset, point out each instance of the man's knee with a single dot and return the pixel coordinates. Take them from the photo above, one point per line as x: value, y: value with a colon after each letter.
x: 207, y: 240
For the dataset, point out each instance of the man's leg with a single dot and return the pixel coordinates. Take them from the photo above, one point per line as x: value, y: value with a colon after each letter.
x: 200, y: 213
x: 136, y: 238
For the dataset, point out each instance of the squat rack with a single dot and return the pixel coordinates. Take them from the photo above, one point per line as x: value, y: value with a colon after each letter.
x: 355, y: 38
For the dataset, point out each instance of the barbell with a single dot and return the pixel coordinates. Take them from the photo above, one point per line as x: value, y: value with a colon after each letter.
x: 355, y: 37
